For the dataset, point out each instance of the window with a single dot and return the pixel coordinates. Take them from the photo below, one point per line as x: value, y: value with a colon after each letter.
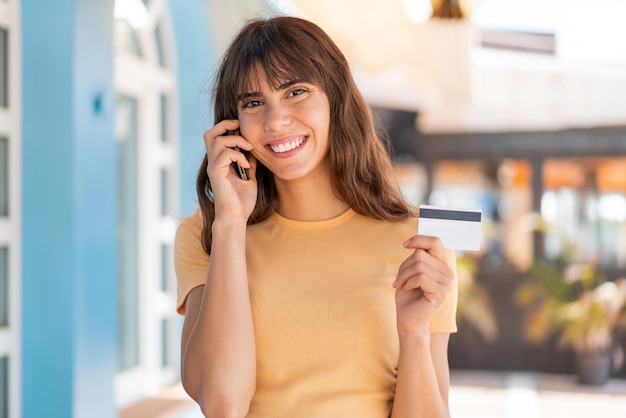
x: 126, y: 40
x: 4, y: 70
x: 128, y: 235
x: 4, y: 387
x: 584, y: 206
x: 10, y: 210
x: 158, y: 39
x: 4, y: 287
x: 4, y: 177
x: 147, y: 200
x: 164, y: 112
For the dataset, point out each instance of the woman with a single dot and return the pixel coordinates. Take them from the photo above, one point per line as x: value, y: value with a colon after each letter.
x: 305, y: 289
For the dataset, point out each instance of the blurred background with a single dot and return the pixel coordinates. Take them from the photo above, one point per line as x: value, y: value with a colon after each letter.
x: 513, y: 107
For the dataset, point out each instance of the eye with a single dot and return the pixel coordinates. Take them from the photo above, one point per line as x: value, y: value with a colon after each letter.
x: 249, y: 104
x: 297, y: 91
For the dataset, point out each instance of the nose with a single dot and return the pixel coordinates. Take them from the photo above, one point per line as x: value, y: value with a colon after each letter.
x: 276, y: 117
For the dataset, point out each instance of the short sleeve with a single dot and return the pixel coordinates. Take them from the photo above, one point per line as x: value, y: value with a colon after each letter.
x: 191, y: 262
x: 445, y: 318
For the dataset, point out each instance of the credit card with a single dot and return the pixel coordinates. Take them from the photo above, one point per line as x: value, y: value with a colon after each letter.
x: 458, y: 229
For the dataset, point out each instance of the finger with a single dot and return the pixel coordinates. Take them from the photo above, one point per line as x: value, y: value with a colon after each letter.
x: 233, y: 142
x: 431, y: 244
x: 432, y: 292
x: 227, y: 139
x: 220, y: 164
x: 402, y: 280
x: 220, y: 129
x: 423, y: 262
x: 411, y: 266
x: 410, y: 278
x: 234, y: 155
x: 226, y: 126
x: 419, y: 260
x: 432, y: 289
x: 226, y: 150
x: 252, y: 166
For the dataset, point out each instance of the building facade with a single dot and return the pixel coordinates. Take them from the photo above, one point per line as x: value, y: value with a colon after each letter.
x: 99, y: 103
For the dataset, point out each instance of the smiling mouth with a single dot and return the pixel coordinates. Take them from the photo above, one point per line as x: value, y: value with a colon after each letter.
x: 287, y: 146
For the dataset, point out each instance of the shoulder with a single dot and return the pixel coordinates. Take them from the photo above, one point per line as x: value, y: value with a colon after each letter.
x: 190, y: 226
x: 188, y: 241
x: 190, y: 260
x: 402, y: 226
x: 383, y: 235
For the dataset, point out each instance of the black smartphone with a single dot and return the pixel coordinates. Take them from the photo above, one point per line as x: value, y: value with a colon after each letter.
x: 239, y: 170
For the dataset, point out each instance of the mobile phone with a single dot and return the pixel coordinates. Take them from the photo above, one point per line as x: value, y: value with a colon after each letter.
x: 239, y: 170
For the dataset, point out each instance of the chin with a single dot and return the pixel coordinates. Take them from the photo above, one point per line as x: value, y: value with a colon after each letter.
x: 291, y: 175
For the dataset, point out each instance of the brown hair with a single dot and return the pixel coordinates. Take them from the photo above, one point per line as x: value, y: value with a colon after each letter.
x: 288, y: 48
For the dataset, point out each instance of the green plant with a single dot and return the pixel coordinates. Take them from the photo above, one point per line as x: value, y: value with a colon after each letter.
x: 574, y: 302
x: 589, y: 322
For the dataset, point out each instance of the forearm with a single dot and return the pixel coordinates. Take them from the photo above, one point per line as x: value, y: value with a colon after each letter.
x: 219, y: 359
x: 419, y: 390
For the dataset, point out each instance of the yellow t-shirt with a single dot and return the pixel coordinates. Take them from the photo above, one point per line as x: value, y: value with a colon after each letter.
x: 323, y: 309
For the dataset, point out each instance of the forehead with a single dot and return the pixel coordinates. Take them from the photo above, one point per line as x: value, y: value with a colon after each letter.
x: 255, y: 80
x: 270, y: 76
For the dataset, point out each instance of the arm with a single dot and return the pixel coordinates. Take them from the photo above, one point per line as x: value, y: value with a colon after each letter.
x: 423, y: 377
x: 422, y: 285
x: 218, y: 345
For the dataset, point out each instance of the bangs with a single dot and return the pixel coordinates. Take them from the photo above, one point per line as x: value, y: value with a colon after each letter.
x: 278, y: 67
x: 278, y: 53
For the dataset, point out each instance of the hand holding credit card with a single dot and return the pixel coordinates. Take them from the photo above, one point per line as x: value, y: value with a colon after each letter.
x: 458, y: 229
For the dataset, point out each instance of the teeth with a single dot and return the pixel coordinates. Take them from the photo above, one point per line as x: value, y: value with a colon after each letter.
x: 287, y: 146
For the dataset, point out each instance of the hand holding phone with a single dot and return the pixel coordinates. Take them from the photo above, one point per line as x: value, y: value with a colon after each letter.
x: 239, y: 170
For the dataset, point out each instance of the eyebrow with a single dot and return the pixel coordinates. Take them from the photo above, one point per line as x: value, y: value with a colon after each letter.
x: 290, y: 83
x: 283, y: 86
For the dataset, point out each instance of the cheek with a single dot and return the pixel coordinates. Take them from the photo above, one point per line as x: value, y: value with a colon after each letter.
x: 250, y: 131
x: 317, y: 115
x: 247, y: 128
x: 323, y: 118
x: 323, y: 122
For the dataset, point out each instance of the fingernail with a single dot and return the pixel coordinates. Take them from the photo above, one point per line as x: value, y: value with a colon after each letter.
x: 395, y: 283
x: 406, y: 243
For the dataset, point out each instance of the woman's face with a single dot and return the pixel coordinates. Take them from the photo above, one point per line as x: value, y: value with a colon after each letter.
x: 288, y: 127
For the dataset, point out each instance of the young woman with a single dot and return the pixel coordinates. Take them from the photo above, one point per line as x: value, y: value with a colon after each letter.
x: 306, y: 289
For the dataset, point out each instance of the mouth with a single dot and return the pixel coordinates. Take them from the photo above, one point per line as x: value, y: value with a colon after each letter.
x: 288, y: 146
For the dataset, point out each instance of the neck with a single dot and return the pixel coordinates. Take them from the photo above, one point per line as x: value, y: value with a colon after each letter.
x: 309, y: 199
